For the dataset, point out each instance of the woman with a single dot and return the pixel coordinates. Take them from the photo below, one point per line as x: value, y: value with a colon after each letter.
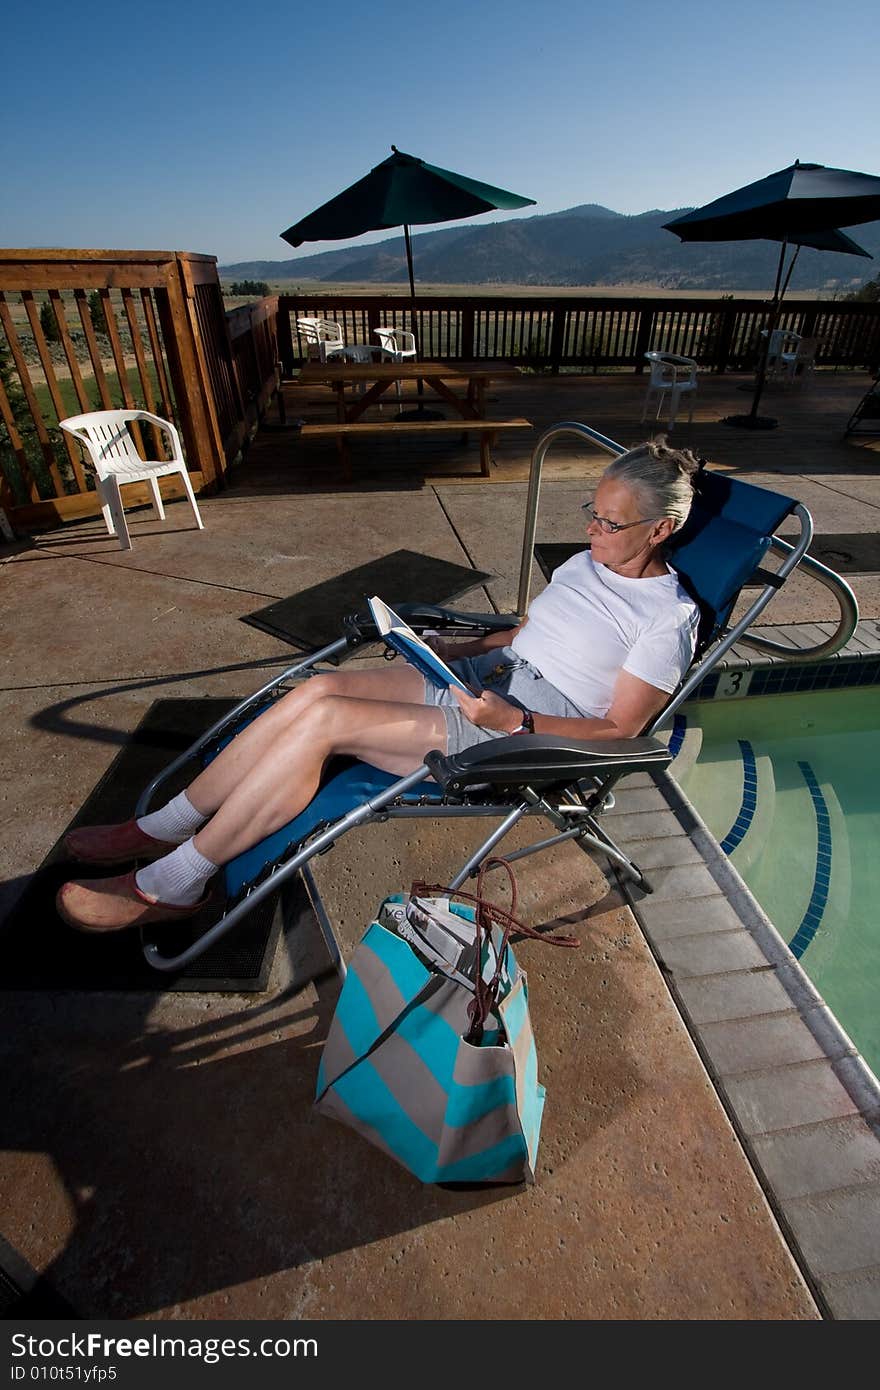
x: 598, y: 656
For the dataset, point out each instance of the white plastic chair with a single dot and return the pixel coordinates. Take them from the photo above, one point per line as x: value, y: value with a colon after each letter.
x: 782, y: 345
x: 678, y: 376
x: 323, y: 338
x: 397, y: 344
x: 106, y: 438
x: 799, y: 365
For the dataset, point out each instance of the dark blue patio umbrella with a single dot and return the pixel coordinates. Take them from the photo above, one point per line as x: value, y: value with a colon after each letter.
x: 803, y: 205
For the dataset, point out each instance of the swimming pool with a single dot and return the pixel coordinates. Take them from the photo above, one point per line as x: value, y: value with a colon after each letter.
x: 789, y: 786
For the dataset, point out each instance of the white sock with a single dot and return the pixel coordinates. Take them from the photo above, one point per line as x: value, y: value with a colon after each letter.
x: 174, y: 822
x: 179, y: 878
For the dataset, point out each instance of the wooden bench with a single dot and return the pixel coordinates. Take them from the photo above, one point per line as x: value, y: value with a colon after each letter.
x: 487, y: 429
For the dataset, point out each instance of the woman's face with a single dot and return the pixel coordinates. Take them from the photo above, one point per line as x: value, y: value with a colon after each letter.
x: 627, y: 549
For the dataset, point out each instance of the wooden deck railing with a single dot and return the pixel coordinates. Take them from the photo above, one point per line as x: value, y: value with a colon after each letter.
x: 94, y: 330
x: 592, y: 333
x: 90, y: 330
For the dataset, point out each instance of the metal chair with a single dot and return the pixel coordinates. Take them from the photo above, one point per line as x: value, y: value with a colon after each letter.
x: 563, y: 780
x: 675, y: 375
x: 112, y: 453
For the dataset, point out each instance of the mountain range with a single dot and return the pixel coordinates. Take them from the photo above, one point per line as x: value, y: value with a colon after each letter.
x: 586, y: 245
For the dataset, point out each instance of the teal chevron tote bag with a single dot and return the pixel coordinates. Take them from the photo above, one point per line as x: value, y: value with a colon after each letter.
x: 431, y: 1054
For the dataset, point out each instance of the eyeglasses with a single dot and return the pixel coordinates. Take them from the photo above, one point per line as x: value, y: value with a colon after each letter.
x: 611, y: 528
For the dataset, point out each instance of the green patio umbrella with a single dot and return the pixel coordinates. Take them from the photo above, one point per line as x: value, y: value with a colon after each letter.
x: 803, y: 205
x: 401, y: 191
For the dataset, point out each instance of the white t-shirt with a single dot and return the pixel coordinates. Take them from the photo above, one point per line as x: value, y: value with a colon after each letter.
x: 589, y: 623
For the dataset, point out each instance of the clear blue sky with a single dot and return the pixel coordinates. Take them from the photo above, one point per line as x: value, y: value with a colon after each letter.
x: 212, y: 127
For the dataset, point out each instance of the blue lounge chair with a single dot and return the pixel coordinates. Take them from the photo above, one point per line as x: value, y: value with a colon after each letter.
x: 719, y: 551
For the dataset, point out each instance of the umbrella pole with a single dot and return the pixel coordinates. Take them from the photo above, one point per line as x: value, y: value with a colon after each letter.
x: 420, y: 385
x: 412, y: 284
x: 790, y: 269
x: 754, y: 421
x: 420, y: 412
x: 771, y: 328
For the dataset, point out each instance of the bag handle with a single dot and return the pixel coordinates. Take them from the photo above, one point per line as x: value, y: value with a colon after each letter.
x: 497, y: 914
x: 486, y: 991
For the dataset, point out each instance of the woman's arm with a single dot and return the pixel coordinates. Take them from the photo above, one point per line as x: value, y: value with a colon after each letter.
x: 634, y: 705
x: 475, y: 646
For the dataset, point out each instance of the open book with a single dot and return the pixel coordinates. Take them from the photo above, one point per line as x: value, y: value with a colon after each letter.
x: 401, y: 637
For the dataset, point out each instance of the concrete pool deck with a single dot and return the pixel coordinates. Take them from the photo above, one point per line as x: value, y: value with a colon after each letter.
x: 160, y: 1159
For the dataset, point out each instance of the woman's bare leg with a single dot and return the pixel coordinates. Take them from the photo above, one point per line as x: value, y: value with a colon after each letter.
x: 272, y: 790
x: 398, y: 683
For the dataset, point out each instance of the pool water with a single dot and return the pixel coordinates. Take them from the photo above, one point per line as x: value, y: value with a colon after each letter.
x: 790, y: 787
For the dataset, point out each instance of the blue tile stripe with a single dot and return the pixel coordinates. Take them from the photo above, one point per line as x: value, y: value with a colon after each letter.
x: 812, y: 918
x: 676, y: 738
x: 841, y: 673
x: 746, y: 813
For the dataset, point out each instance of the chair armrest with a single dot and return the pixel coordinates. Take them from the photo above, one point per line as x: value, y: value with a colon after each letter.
x: 544, y: 760
x: 164, y: 425
x: 427, y: 616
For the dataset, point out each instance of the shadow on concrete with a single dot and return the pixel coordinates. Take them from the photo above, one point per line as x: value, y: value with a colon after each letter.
x: 54, y: 718
x: 188, y: 1160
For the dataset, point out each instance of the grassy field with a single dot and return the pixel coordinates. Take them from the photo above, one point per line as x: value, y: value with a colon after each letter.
x: 71, y: 402
x: 325, y: 287
x: 71, y: 405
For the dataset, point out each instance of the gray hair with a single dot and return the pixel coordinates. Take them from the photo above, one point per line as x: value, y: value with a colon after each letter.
x: 661, y: 477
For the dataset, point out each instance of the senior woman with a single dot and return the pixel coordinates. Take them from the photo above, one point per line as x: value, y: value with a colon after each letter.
x: 597, y: 657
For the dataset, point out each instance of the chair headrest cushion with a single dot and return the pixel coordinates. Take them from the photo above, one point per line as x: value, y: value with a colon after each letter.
x: 724, y: 539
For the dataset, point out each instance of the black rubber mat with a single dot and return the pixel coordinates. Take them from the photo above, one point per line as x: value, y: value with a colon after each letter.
x: 313, y: 617
x: 24, y: 1295
x: 39, y: 951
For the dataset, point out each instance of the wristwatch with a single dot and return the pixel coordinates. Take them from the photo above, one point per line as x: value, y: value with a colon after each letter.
x: 528, y: 724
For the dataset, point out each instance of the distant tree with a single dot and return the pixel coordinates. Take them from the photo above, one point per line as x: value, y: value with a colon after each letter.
x: 258, y: 288
x: 49, y: 323
x: 96, y: 312
x: 869, y: 292
x: 26, y: 431
x: 9, y: 376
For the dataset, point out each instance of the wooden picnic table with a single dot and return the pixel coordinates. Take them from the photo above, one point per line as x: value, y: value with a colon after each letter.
x: 384, y: 375
x: 379, y: 377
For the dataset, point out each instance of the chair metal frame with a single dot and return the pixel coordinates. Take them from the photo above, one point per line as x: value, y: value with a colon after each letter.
x: 566, y: 781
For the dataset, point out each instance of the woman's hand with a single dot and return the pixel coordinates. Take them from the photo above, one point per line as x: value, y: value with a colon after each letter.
x: 489, y: 711
x: 445, y: 650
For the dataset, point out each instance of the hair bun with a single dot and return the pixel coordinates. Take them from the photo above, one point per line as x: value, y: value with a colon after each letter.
x: 690, y: 465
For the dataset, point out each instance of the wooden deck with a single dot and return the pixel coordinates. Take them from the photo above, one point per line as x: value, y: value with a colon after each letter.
x: 809, y: 439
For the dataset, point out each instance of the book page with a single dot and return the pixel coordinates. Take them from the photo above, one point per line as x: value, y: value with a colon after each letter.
x: 401, y: 637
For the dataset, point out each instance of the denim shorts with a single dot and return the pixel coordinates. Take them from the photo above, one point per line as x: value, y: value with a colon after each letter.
x: 508, y: 675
